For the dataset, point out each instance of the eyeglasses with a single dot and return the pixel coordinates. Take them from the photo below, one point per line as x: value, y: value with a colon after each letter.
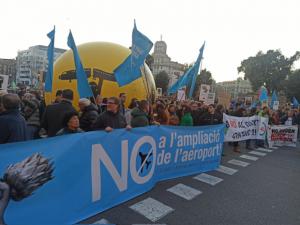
x: 111, y: 103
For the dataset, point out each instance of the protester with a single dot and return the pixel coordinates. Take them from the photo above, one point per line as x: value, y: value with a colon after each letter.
x: 140, y: 115
x: 196, y: 114
x: 53, y: 116
x: 263, y: 113
x: 240, y: 112
x: 71, y: 124
x: 31, y: 111
x: 12, y: 124
x: 122, y: 109
x: 133, y: 104
x: 186, y: 119
x: 290, y: 119
x: 173, y: 118
x: 161, y: 116
x: 58, y: 96
x: 89, y: 114
x: 111, y: 118
x: 211, y: 117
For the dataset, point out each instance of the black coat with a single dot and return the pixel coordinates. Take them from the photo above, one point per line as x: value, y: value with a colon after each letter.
x: 53, y: 116
x: 196, y: 114
x: 211, y: 119
x: 110, y: 119
x: 88, y: 117
x: 12, y: 127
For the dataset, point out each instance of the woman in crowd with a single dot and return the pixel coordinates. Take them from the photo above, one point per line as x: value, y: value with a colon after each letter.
x: 71, y: 124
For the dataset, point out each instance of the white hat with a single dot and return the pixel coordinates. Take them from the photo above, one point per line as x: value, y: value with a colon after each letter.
x: 84, y: 101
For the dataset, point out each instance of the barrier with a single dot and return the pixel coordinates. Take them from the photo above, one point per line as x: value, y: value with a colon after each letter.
x: 95, y: 171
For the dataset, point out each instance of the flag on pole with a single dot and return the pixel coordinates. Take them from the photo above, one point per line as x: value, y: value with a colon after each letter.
x: 129, y: 70
x: 50, y: 54
x: 274, y: 98
x: 189, y: 78
x: 194, y: 73
x: 263, y: 94
x: 295, y: 103
x: 13, y: 85
x: 83, y: 86
x: 179, y: 83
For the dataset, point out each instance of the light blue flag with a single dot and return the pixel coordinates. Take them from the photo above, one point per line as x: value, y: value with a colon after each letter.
x: 83, y: 86
x: 263, y: 95
x: 179, y: 83
x: 253, y: 105
x: 295, y: 103
x: 50, y: 53
x: 189, y: 77
x: 274, y: 98
x: 130, y: 70
x: 195, y: 70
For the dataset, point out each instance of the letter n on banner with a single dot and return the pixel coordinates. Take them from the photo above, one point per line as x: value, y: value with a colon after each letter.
x: 99, y: 155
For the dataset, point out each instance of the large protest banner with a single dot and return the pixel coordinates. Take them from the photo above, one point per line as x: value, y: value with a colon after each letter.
x: 282, y: 135
x: 244, y: 128
x: 95, y: 171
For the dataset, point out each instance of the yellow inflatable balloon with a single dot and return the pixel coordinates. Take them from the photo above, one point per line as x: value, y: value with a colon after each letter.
x: 99, y: 60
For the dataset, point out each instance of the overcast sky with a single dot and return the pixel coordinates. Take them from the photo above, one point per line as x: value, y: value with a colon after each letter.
x: 233, y: 29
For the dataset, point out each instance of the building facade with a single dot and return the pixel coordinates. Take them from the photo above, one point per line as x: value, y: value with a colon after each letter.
x: 32, y: 62
x: 236, y: 88
x: 8, y: 67
x: 162, y: 62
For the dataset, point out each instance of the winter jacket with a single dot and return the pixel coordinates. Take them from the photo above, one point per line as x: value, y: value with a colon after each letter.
x: 88, y: 117
x: 31, y: 112
x: 139, y: 118
x: 186, y: 120
x: 109, y: 119
x: 12, y: 127
x: 66, y: 130
x: 53, y: 116
x: 196, y: 114
x: 211, y: 119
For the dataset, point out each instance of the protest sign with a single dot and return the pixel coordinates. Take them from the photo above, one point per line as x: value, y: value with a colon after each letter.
x: 245, y: 128
x: 3, y: 82
x: 204, y: 90
x: 282, y: 135
x: 181, y: 95
x: 95, y: 171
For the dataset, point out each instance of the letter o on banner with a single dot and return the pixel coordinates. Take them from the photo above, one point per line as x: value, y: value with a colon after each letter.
x: 134, y: 173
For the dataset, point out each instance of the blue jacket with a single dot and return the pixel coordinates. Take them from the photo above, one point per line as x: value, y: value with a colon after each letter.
x: 12, y: 127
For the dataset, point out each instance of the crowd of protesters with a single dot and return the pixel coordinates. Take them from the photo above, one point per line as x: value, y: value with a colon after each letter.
x: 24, y: 116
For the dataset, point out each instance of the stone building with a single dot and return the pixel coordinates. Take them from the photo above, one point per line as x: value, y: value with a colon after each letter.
x: 236, y: 88
x: 162, y: 62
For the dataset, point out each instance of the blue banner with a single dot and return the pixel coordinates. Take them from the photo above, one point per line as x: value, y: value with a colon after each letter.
x: 83, y: 86
x: 130, y: 70
x: 50, y: 56
x: 95, y: 171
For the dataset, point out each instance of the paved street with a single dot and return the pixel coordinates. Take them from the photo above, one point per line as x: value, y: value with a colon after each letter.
x: 258, y: 187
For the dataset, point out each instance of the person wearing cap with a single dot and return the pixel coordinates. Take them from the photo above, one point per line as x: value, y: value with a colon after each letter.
x: 31, y: 111
x: 12, y: 124
x: 89, y: 114
x: 54, y: 114
x: 71, y: 124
